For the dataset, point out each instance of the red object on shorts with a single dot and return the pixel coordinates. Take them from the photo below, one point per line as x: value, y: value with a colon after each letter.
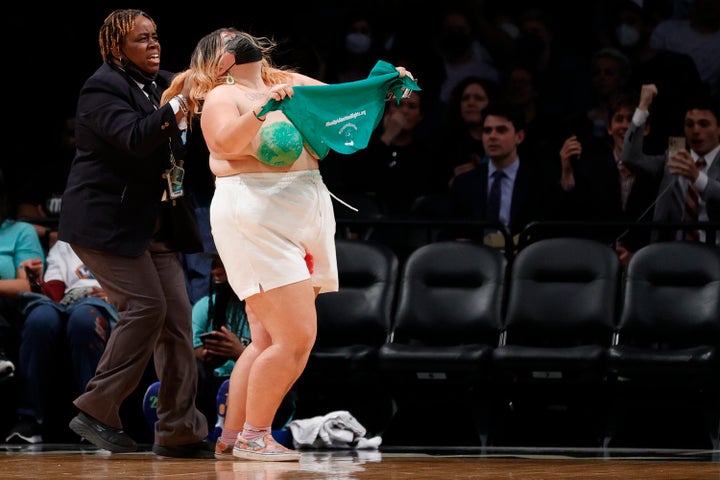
x: 309, y: 261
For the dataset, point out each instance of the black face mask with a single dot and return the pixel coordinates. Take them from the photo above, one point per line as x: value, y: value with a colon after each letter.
x: 245, y: 51
x: 137, y: 74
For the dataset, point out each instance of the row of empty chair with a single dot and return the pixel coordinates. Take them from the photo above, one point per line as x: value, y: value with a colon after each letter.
x: 559, y: 327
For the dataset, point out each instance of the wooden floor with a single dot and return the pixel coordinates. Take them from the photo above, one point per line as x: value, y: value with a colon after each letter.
x: 61, y: 461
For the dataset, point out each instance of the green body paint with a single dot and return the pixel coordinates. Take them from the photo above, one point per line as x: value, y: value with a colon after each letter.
x: 282, y: 144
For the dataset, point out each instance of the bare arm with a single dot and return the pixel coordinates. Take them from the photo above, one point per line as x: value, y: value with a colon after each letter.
x: 12, y: 287
x: 229, y: 123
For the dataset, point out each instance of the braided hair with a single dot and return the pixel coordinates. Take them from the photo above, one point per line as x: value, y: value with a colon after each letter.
x: 115, y: 27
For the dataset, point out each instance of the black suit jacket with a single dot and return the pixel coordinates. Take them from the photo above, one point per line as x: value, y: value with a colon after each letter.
x: 468, y: 196
x: 115, y: 186
x: 597, y: 197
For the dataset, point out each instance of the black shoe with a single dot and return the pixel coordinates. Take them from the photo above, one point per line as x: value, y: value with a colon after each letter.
x: 191, y: 450
x: 101, y: 435
x: 26, y: 430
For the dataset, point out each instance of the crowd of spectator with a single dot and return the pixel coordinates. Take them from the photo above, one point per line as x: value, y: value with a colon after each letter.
x: 562, y: 78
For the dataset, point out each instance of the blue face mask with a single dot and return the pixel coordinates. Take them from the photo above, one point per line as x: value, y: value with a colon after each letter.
x: 627, y: 35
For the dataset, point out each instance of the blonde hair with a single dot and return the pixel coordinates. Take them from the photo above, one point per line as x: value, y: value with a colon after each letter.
x: 115, y: 27
x: 204, y: 74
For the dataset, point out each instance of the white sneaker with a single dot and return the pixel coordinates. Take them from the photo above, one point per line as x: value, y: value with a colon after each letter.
x: 265, y: 449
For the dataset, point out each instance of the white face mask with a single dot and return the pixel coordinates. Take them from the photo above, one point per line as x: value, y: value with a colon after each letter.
x: 627, y: 36
x: 357, y: 42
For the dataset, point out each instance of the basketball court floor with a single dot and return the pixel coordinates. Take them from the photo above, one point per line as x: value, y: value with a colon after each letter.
x: 82, y: 461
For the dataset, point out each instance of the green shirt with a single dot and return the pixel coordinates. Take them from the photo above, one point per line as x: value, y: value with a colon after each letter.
x: 342, y: 116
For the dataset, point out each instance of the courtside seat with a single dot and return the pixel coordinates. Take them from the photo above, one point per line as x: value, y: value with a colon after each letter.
x: 666, y: 354
x: 561, y: 313
x: 448, y: 321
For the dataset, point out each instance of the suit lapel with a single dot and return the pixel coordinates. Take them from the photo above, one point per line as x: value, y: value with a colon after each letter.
x: 714, y: 170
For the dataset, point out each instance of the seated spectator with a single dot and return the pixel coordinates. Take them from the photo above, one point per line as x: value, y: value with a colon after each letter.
x: 611, y: 71
x: 594, y: 185
x: 355, y: 46
x: 398, y: 164
x: 67, y: 325
x: 18, y: 244
x: 503, y: 189
x: 689, y: 190
x: 461, y: 148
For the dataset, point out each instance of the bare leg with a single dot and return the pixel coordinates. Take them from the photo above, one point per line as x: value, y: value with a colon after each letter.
x: 283, y: 325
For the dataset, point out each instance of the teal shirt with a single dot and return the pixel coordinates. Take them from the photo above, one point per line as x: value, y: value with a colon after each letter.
x: 202, y: 324
x: 18, y: 242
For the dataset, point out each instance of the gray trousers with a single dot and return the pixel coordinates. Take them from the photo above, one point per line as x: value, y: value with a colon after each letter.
x: 155, y: 321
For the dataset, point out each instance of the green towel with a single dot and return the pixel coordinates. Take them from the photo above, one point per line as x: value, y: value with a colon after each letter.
x: 342, y: 116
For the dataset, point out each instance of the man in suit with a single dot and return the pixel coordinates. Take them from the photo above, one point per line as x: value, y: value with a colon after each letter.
x: 116, y: 216
x: 515, y: 200
x: 694, y: 171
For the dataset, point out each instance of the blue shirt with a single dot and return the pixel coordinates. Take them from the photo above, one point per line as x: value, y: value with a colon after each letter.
x: 18, y: 242
x: 507, y: 187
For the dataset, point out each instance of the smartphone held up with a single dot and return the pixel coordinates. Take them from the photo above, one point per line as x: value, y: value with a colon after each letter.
x: 675, y: 144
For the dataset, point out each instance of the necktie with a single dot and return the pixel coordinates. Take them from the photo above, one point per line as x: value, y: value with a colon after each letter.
x: 493, y: 201
x: 153, y: 94
x: 692, y: 206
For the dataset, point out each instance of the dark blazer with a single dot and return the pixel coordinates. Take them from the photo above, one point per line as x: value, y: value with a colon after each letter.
x: 468, y: 196
x: 597, y: 196
x: 671, y: 199
x: 115, y: 186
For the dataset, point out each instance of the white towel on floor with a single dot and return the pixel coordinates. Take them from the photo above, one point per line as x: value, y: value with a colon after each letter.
x: 337, y: 429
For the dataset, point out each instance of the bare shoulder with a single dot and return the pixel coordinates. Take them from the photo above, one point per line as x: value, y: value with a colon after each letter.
x: 220, y: 92
x: 301, y: 80
x: 224, y: 94
x: 225, y: 100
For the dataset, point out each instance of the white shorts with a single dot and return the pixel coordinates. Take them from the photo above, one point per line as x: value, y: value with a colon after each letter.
x: 263, y: 224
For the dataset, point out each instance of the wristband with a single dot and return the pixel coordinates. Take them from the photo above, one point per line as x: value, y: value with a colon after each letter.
x: 183, y: 103
x: 256, y: 115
